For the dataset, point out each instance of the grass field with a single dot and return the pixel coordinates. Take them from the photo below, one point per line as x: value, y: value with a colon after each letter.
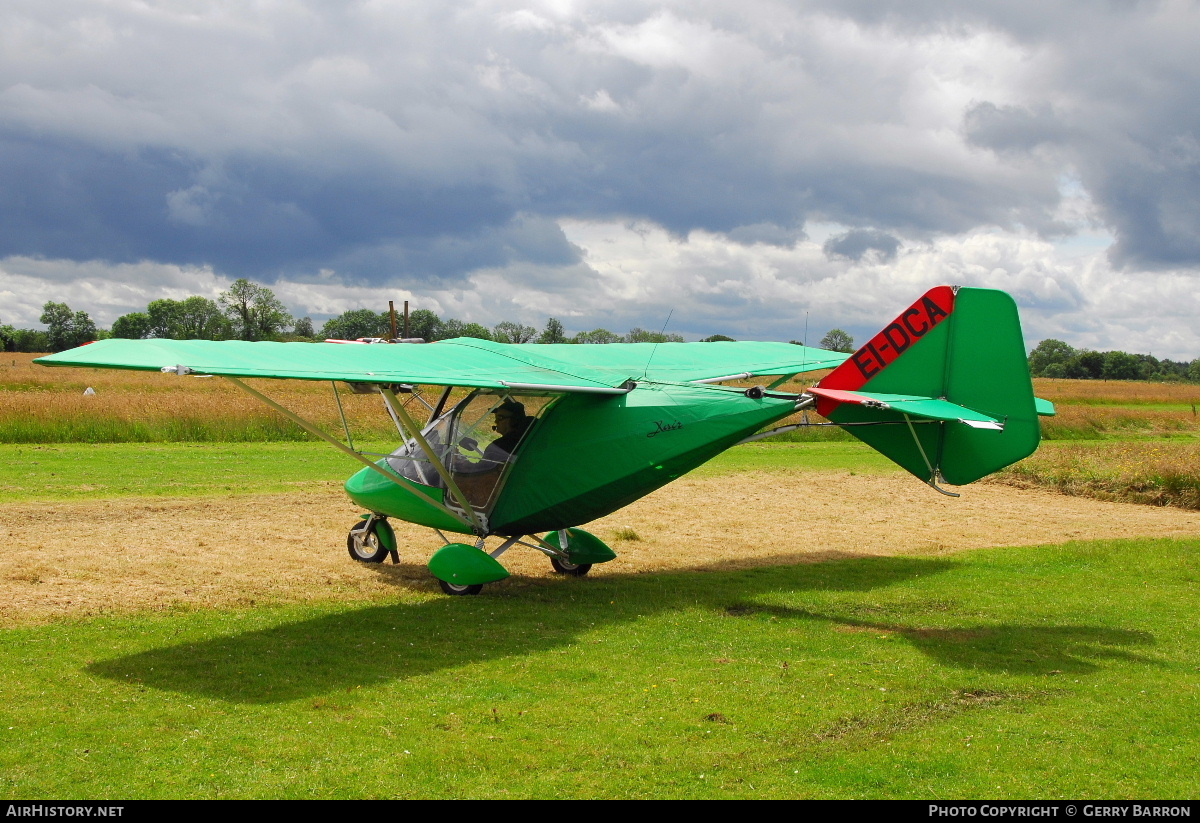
x: 1065, y: 670
x: 75, y: 471
x: 884, y: 677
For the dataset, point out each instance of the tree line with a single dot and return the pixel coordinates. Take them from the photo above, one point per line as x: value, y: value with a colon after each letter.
x: 424, y: 324
x: 249, y: 311
x: 1054, y: 358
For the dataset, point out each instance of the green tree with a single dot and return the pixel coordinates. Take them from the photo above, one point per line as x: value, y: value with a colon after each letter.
x: 356, y: 323
x: 1048, y: 352
x: 1086, y: 365
x: 453, y: 327
x: 553, y: 333
x: 66, y: 329
x: 424, y: 324
x: 202, y: 319
x: 1147, y: 365
x: 639, y: 335
x: 598, y: 336
x: 58, y: 317
x: 837, y: 340
x: 1119, y: 365
x: 30, y: 340
x: 164, y: 317
x: 718, y: 338
x: 8, y: 338
x: 304, y: 328
x: 1193, y: 371
x: 1171, y: 370
x: 132, y: 326
x: 254, y: 311
x: 509, y: 332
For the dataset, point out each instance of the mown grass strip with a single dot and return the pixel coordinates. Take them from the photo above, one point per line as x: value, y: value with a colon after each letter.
x: 98, y: 471
x: 1053, y: 671
x: 69, y: 471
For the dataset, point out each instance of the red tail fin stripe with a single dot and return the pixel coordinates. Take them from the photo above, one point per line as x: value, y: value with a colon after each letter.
x: 881, y: 350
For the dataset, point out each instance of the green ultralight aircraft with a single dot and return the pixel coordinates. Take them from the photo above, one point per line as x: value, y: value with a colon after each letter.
x: 548, y: 437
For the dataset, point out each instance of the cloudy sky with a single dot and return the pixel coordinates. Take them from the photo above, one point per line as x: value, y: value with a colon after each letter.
x: 746, y: 166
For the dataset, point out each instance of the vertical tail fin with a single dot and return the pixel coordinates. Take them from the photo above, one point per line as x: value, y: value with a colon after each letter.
x: 962, y: 347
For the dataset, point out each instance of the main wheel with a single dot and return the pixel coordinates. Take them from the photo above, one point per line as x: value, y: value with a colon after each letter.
x: 366, y: 547
x: 573, y: 569
x: 455, y: 589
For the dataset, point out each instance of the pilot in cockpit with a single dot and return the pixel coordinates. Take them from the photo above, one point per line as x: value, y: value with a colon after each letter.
x: 510, y: 423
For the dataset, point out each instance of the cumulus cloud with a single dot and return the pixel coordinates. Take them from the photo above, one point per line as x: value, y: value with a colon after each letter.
x: 482, y: 154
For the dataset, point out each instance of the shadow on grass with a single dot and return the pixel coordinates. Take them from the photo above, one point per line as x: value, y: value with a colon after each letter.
x: 1011, y: 648
x: 368, y: 646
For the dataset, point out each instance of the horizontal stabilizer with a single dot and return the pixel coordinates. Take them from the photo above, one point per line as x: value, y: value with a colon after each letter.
x: 928, y: 408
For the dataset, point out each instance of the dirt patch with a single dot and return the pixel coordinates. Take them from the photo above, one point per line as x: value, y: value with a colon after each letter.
x: 138, y: 554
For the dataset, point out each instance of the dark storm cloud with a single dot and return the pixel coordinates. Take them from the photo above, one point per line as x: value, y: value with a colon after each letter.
x: 61, y: 198
x: 420, y: 141
x: 855, y: 244
x: 1007, y: 129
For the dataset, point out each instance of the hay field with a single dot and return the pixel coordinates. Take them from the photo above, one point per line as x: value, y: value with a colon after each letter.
x: 1116, y: 392
x: 44, y: 405
x: 48, y: 405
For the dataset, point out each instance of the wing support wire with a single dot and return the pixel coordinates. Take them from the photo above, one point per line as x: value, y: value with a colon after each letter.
x: 415, y: 430
x: 311, y: 429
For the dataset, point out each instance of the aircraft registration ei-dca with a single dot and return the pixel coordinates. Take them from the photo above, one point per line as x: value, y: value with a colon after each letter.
x: 551, y: 436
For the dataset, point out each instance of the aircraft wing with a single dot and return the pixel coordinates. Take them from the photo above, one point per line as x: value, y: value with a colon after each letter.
x: 690, y: 362
x: 459, y: 362
x: 443, y: 364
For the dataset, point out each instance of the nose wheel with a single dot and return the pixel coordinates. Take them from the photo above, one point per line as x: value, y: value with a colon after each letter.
x: 368, y: 541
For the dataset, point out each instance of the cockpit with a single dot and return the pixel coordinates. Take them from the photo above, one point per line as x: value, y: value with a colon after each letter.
x: 476, y: 441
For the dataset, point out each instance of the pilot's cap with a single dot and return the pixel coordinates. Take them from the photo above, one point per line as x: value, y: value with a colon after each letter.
x: 512, y: 408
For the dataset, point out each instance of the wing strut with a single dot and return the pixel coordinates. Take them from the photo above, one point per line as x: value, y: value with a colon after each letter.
x: 342, y: 412
x: 311, y: 429
x: 415, y: 430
